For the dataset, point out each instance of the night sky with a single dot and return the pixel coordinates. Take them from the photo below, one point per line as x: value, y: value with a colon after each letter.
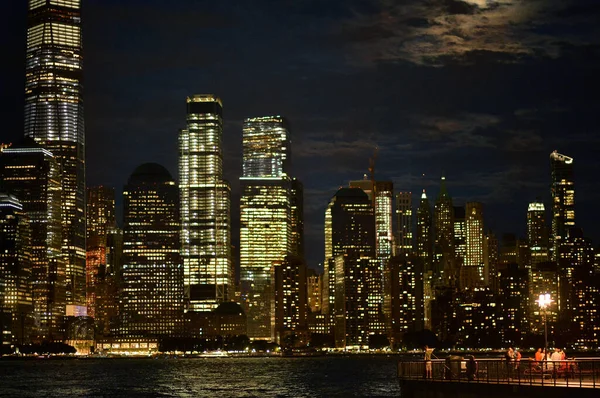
x: 480, y: 90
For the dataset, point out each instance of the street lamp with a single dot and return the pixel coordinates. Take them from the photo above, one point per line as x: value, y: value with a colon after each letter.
x: 544, y: 302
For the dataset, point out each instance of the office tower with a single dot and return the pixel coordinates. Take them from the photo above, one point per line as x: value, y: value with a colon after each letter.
x: 404, y: 239
x: 423, y: 234
x: 424, y: 252
x: 108, y: 292
x: 575, y: 262
x: 349, y: 228
x: 563, y: 199
x: 100, y: 211
x: 443, y: 241
x: 472, y: 273
x: 54, y: 118
x: 32, y: 175
x: 460, y: 236
x: 152, y: 296
x: 205, y: 206
x: 381, y: 193
x: 16, y: 303
x: 289, y: 306
x: 537, y: 234
x: 314, y: 288
x: 297, y: 218
x: 513, y: 299
x: 544, y: 280
x: 355, y: 318
x: 266, y: 217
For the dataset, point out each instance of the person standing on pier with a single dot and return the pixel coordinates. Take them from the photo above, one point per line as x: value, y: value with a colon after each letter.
x: 428, y: 353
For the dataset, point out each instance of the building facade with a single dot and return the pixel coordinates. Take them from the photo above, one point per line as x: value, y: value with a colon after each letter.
x: 152, y: 295
x: 16, y: 301
x: 31, y: 173
x: 562, y: 189
x: 54, y: 119
x: 205, y: 206
x: 269, y: 223
x: 537, y: 233
x: 472, y: 273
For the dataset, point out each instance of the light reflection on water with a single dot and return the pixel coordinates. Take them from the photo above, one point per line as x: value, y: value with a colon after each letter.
x: 202, y: 377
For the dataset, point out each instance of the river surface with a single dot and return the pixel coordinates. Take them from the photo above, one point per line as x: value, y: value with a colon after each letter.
x: 331, y: 376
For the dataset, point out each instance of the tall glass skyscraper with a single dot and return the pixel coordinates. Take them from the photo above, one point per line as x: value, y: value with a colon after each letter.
x: 563, y: 199
x: 54, y: 118
x: 205, y: 206
x: 266, y: 212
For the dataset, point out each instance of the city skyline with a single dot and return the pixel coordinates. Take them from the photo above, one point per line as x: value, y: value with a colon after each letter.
x: 209, y: 252
x: 465, y: 111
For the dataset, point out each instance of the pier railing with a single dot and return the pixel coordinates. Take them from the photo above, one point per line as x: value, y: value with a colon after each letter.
x: 582, y: 372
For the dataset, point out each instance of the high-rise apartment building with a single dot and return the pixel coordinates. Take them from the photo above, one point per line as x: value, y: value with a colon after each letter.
x: 563, y: 199
x: 575, y: 256
x: 152, y: 295
x: 54, y: 118
x: 537, y: 233
x: 404, y: 217
x: 472, y: 273
x: 270, y: 224
x: 16, y: 304
x: 289, y: 306
x: 31, y: 173
x: 205, y: 206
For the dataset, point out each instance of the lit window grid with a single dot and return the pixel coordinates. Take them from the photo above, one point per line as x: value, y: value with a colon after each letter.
x: 266, y: 147
x: 205, y: 208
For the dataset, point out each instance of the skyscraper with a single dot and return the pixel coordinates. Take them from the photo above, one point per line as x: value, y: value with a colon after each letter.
x: 563, y: 199
x: 271, y: 209
x: 404, y: 240
x: 472, y: 273
x: 443, y: 239
x: 424, y: 252
x: 152, y: 297
x: 297, y: 218
x: 16, y: 305
x: 54, y: 118
x: 537, y: 234
x: 289, y: 301
x: 349, y: 228
x: 32, y: 175
x: 424, y: 245
x: 205, y: 206
x: 100, y: 222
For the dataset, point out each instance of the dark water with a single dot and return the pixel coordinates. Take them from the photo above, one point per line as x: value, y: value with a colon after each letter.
x: 358, y: 376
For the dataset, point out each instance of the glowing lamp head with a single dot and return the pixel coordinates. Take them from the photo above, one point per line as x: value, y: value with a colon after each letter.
x: 544, y: 300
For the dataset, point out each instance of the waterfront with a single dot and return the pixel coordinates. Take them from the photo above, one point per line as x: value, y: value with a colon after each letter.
x: 360, y: 376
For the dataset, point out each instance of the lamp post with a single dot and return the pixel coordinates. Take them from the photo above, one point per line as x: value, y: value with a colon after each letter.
x: 544, y: 301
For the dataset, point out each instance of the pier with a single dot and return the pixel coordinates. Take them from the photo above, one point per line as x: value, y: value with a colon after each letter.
x: 476, y: 377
